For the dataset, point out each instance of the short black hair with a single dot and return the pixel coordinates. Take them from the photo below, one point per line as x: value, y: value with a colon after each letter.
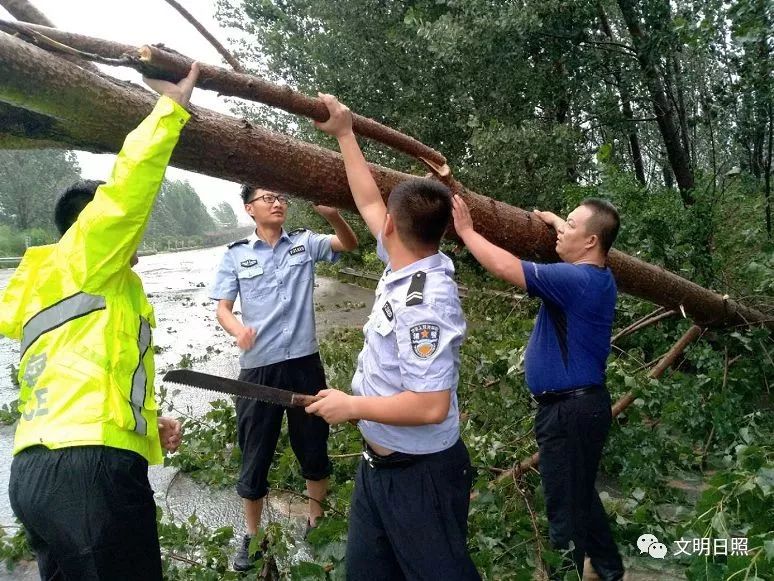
x: 421, y: 209
x: 604, y: 221
x: 247, y: 192
x: 72, y: 201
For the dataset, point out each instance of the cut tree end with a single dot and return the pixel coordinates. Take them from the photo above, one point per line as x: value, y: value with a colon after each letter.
x: 442, y: 171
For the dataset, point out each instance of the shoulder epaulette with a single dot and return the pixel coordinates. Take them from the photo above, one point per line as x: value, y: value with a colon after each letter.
x: 296, y: 231
x: 237, y: 243
x: 416, y: 289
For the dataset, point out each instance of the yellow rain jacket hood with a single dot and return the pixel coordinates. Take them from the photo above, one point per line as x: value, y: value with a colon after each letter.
x: 87, y: 374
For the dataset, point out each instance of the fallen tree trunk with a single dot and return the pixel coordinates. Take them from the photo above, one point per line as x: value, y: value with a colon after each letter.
x: 76, y: 109
x: 162, y: 63
x: 23, y: 10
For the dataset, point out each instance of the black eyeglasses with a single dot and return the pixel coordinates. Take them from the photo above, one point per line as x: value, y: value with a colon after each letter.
x: 270, y: 199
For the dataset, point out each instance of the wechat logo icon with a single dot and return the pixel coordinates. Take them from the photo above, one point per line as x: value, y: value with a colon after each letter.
x: 650, y: 544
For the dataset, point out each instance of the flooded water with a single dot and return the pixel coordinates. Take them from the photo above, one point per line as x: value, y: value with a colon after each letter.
x: 177, y: 284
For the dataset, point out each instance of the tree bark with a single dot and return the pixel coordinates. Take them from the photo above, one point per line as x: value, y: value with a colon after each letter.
x: 665, y: 115
x: 77, y: 109
x: 25, y: 11
x: 158, y: 62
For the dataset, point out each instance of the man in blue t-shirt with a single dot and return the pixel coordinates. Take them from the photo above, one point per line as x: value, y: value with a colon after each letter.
x: 565, y: 371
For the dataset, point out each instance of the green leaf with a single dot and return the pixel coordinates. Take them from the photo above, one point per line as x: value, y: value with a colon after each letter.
x: 306, y: 571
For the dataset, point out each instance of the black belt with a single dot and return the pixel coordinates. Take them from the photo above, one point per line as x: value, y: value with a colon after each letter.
x: 394, y: 460
x: 549, y: 397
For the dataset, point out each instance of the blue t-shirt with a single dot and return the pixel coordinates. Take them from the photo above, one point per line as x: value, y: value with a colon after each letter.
x: 571, y: 341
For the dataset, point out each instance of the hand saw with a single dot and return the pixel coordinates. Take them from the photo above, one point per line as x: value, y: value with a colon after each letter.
x: 265, y: 393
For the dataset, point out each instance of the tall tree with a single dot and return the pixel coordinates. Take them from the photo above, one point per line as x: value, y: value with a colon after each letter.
x: 29, y: 183
x: 649, y: 57
x: 179, y: 212
x: 224, y: 215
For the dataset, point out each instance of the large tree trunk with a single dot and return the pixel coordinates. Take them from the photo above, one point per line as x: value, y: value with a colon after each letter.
x: 26, y: 12
x: 165, y: 64
x: 73, y: 108
x: 665, y: 114
x: 23, y: 10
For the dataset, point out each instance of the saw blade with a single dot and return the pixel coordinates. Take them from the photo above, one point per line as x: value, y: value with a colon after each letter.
x: 239, y: 388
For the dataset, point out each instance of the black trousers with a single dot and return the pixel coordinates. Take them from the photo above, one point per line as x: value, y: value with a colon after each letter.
x: 88, y: 512
x: 259, y: 424
x: 411, y: 522
x: 571, y: 434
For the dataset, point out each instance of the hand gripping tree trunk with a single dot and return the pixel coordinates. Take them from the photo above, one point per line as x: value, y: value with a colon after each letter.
x: 69, y: 107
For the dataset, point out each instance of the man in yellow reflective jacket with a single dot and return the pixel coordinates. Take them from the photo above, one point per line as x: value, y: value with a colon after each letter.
x: 89, y: 425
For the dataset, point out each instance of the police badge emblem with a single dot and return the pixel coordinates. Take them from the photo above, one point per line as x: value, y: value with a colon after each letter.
x: 424, y: 339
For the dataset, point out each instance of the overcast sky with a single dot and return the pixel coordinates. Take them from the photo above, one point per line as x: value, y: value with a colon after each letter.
x: 139, y: 22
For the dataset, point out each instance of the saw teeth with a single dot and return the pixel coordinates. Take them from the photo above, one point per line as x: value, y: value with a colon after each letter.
x: 166, y: 382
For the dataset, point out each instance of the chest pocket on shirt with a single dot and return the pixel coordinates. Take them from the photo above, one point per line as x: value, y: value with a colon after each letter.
x: 300, y: 266
x: 382, y: 326
x: 254, y: 283
x: 385, y: 340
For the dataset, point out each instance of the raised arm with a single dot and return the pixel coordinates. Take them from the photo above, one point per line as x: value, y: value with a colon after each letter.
x: 366, y: 194
x: 109, y: 229
x: 497, y: 261
x: 344, y: 239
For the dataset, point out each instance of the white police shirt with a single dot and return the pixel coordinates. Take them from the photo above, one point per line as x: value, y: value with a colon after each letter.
x: 275, y: 288
x: 412, y: 343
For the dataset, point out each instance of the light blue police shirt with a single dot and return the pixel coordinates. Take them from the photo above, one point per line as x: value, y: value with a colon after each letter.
x: 413, y: 348
x: 275, y: 288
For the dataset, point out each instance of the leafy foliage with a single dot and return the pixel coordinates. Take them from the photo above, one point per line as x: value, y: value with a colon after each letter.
x: 224, y: 215
x: 179, y: 212
x: 30, y: 181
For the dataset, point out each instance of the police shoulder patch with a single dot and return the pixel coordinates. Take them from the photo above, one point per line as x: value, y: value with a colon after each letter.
x: 296, y: 231
x: 424, y: 339
x: 237, y: 243
x: 416, y: 289
x: 387, y: 310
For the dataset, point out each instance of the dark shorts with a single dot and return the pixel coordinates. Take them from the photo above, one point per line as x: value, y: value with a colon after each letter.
x: 411, y: 521
x: 88, y: 512
x: 259, y: 424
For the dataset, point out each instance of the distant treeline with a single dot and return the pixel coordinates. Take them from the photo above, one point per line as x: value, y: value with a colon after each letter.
x: 31, y: 180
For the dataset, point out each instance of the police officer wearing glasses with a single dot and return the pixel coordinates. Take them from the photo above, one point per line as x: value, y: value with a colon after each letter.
x: 565, y: 371
x: 272, y: 273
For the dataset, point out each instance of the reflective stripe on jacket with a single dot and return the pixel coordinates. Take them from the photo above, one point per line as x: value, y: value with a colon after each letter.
x: 86, y: 372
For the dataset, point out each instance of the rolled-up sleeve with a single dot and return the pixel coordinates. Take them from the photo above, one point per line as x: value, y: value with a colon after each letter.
x: 429, y: 339
x: 226, y: 285
x: 320, y: 247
